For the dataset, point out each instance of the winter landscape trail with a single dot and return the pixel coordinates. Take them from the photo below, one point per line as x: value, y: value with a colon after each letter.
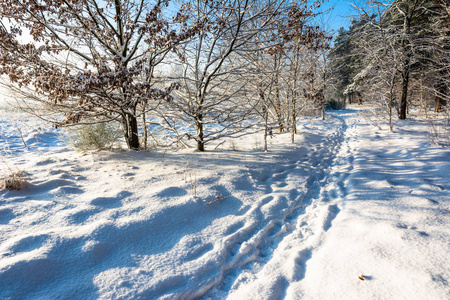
x: 300, y: 222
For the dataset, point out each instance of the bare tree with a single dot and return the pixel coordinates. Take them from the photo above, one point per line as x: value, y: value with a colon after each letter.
x: 212, y: 71
x: 380, y: 79
x: 90, y: 59
x: 300, y: 58
x: 440, y: 44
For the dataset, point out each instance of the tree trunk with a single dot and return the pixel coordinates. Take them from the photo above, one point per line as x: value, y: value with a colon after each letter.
x: 144, y: 126
x: 277, y: 97
x: 278, y: 107
x: 440, y: 104
x: 404, y: 95
x: 266, y: 128
x: 391, y: 102
x: 294, y: 123
x: 293, y: 119
x: 130, y: 129
x: 406, y: 67
x: 441, y: 92
x: 199, y: 125
x: 266, y: 118
x: 404, y: 87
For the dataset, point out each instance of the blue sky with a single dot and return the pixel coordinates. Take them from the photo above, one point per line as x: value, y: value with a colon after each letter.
x: 339, y: 15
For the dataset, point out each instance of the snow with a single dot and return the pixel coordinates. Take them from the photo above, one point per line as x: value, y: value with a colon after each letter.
x: 301, y: 221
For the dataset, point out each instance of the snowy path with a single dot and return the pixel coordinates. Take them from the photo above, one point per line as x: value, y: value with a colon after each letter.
x: 393, y: 223
x: 328, y: 165
x: 301, y: 221
x: 281, y: 245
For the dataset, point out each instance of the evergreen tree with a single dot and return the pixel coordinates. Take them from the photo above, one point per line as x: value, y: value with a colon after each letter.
x: 346, y: 59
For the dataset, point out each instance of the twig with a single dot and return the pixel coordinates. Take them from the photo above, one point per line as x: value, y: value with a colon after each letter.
x: 220, y: 144
x: 21, y: 136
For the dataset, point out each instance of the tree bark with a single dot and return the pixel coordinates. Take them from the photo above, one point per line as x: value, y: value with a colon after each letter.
x: 144, y: 126
x: 277, y: 98
x: 404, y: 95
x: 441, y: 92
x: 199, y: 125
x: 130, y: 128
x: 266, y: 128
x: 293, y: 119
x: 440, y: 104
x: 405, y: 83
x: 406, y: 66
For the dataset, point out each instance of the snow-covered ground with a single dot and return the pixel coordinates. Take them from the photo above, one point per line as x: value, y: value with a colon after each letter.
x: 302, y: 221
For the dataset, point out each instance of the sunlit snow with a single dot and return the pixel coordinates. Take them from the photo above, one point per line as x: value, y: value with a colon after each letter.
x: 302, y: 221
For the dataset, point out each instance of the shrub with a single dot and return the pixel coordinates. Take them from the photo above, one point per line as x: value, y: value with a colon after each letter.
x: 439, y: 133
x: 15, y: 181
x: 333, y: 104
x: 233, y: 145
x: 93, y: 137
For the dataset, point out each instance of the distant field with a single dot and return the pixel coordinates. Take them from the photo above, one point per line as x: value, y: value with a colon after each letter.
x: 5, y: 98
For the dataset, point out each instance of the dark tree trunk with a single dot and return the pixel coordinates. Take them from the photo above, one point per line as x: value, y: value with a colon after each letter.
x: 266, y: 128
x: 266, y: 118
x: 440, y: 104
x: 144, y: 126
x: 130, y: 128
x: 293, y: 118
x: 199, y: 125
x: 277, y: 98
x: 441, y: 93
x: 404, y: 95
x: 407, y: 52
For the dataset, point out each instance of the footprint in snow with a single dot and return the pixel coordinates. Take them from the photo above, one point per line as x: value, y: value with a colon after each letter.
x: 333, y: 210
x: 409, y: 230
x: 300, y: 264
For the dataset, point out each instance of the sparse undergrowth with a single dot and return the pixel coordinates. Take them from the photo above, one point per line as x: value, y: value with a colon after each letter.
x: 440, y: 132
x: 15, y: 181
x: 93, y: 137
